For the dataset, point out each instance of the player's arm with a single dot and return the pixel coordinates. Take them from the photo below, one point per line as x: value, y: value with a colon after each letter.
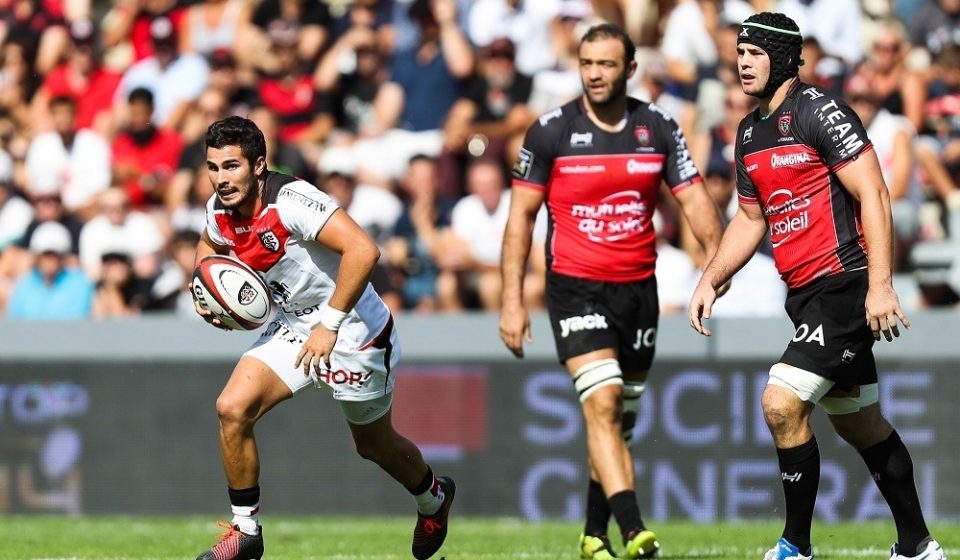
x: 862, y: 177
x: 514, y: 320
x: 358, y: 255
x: 703, y: 216
x: 838, y: 135
x: 207, y: 247
x: 737, y: 246
x: 681, y: 174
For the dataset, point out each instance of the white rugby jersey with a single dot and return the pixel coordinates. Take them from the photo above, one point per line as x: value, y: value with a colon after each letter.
x: 301, y: 273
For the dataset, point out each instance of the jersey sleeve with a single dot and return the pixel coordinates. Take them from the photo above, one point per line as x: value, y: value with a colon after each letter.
x: 535, y: 160
x: 213, y: 229
x: 680, y: 171
x: 746, y: 190
x: 831, y: 127
x: 304, y: 209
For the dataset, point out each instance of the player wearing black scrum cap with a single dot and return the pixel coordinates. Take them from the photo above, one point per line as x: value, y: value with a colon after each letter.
x: 807, y: 175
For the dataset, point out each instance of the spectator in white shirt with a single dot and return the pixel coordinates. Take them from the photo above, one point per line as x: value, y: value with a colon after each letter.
x: 74, y: 162
x: 469, y: 259
x: 835, y: 23
x: 525, y: 22
x: 174, y: 79
x: 118, y: 229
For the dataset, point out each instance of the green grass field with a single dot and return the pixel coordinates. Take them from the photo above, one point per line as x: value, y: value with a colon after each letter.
x: 114, y: 538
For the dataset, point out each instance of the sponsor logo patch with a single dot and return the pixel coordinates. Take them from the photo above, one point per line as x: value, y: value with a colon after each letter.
x: 636, y: 167
x: 582, y: 322
x: 303, y: 200
x: 788, y: 160
x: 524, y: 162
x: 581, y: 140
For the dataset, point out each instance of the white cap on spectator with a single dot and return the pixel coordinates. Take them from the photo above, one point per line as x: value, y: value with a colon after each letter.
x: 162, y: 30
x: 50, y: 237
x: 733, y: 13
x: 44, y: 185
x: 338, y: 160
x: 579, y: 9
x: 6, y: 167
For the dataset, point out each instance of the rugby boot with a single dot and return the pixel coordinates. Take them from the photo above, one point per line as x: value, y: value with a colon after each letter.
x: 235, y: 545
x: 596, y: 547
x: 932, y: 551
x: 641, y: 545
x: 786, y: 551
x: 431, y: 530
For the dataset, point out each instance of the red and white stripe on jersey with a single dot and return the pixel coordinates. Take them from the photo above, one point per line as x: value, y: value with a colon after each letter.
x: 258, y: 241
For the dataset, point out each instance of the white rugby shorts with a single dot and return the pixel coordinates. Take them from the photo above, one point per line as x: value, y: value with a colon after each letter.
x: 358, y: 372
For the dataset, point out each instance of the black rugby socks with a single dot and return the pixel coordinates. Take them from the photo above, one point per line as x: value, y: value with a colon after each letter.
x: 892, y: 469
x: 800, y: 474
x: 598, y: 510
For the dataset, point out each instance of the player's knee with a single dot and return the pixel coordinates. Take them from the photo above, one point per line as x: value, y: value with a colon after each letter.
x: 780, y: 415
x: 369, y: 450
x: 233, y: 411
x: 600, y: 387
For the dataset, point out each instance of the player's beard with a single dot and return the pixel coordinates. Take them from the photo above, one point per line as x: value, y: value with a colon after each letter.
x: 618, y: 90
x: 249, y: 194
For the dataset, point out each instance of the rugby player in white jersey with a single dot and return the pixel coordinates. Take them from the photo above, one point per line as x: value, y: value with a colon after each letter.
x: 331, y: 331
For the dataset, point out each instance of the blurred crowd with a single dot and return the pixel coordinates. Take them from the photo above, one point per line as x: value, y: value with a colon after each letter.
x: 410, y: 113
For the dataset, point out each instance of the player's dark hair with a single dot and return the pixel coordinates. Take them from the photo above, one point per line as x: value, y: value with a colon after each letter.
x: 779, y: 37
x: 611, y: 31
x: 237, y: 131
x: 141, y: 95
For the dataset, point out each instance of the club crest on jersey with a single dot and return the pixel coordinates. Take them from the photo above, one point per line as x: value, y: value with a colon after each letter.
x: 783, y: 125
x: 247, y: 294
x: 269, y: 240
x: 642, y: 133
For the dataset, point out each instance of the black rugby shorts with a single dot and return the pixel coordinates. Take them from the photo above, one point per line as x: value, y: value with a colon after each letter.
x: 588, y: 315
x: 832, y: 338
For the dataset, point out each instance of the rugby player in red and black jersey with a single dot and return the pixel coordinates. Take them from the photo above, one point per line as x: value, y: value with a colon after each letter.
x: 807, y: 175
x: 598, y: 162
x: 331, y: 330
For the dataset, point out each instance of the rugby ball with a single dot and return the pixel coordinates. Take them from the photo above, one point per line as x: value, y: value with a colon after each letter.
x: 233, y: 291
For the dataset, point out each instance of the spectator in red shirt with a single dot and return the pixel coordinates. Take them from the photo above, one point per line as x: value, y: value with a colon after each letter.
x: 83, y: 78
x: 131, y: 20
x: 290, y: 94
x: 144, y: 156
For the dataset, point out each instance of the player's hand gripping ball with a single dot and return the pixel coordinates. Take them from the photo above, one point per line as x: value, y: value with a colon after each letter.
x: 233, y: 292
